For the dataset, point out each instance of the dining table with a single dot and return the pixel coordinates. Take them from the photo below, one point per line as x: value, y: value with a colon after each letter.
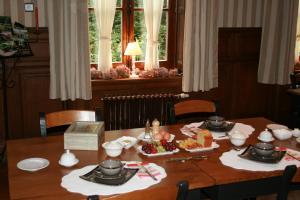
x: 207, y: 174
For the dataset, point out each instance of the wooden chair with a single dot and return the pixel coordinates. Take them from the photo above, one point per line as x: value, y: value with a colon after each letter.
x: 64, y: 118
x: 191, y: 110
x: 183, y: 190
x: 295, y: 80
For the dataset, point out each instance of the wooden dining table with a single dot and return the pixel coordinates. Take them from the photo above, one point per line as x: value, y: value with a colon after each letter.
x: 209, y: 174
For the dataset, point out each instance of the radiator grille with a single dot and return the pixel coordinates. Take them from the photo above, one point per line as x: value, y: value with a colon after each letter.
x: 123, y: 112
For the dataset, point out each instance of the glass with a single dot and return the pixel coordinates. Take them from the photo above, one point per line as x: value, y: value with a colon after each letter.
x: 116, y: 37
x: 140, y: 33
x: 139, y: 4
x: 163, y: 37
x: 93, y: 37
x: 119, y: 3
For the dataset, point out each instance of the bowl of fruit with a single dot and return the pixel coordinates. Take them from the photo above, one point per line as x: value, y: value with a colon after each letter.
x: 163, y: 135
x: 157, y: 148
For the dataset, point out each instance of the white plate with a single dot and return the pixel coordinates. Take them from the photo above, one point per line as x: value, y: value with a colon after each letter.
x: 139, y: 148
x: 276, y: 126
x: 141, y: 137
x: 127, y: 141
x: 271, y: 140
x: 33, y: 164
x: 214, y: 145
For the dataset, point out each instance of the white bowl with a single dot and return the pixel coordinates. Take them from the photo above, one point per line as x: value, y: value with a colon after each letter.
x: 264, y: 149
x: 110, y: 167
x: 113, y: 149
x: 238, y: 138
x: 282, y: 134
x: 296, y: 132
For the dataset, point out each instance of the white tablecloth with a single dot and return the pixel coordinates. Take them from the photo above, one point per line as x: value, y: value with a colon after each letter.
x: 73, y: 183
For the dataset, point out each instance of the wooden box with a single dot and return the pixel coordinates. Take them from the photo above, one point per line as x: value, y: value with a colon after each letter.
x: 84, y: 135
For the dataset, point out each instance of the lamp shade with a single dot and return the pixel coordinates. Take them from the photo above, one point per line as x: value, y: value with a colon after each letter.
x: 133, y: 49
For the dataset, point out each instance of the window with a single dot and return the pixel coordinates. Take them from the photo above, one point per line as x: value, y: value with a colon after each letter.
x: 129, y: 25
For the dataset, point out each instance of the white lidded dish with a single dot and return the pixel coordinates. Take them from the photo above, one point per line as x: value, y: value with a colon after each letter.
x: 265, y: 136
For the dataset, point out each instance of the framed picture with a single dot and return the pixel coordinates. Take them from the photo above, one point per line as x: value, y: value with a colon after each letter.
x: 28, y: 7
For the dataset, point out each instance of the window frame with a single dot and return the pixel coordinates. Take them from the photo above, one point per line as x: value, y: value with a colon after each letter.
x: 128, y: 34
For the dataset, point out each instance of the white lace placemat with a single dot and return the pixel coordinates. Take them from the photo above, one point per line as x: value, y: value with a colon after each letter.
x: 247, y: 129
x: 231, y: 159
x: 141, y: 180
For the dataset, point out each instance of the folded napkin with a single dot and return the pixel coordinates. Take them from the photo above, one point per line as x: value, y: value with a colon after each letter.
x: 231, y: 159
x: 188, y: 130
x: 153, y: 170
x: 73, y: 183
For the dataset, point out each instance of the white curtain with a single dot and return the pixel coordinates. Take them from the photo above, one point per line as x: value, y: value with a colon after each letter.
x: 153, y: 12
x: 105, y: 14
x: 278, y: 41
x: 69, y: 50
x: 297, y: 48
x: 200, y: 48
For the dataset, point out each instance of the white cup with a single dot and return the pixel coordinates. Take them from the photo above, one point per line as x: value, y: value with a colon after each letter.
x: 68, y: 159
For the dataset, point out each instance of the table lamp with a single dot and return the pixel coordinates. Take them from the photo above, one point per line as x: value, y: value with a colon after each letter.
x: 133, y: 49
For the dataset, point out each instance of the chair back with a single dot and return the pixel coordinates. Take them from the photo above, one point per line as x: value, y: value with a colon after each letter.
x: 65, y: 117
x: 183, y: 190
x: 284, y: 186
x: 295, y: 80
x: 191, y: 110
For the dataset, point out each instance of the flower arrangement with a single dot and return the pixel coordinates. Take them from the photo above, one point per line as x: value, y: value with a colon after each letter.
x: 121, y: 71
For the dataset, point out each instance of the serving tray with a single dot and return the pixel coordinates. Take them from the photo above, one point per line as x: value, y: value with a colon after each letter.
x: 250, y: 154
x: 225, y: 127
x: 119, y: 179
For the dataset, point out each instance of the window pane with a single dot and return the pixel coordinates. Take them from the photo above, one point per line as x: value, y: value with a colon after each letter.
x: 163, y: 35
x: 166, y: 3
x: 91, y: 3
x: 138, y: 3
x: 140, y: 32
x: 93, y: 37
x: 119, y: 3
x: 116, y: 46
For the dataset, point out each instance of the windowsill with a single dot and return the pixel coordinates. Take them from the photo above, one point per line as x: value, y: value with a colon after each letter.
x: 141, y: 84
x: 137, y: 79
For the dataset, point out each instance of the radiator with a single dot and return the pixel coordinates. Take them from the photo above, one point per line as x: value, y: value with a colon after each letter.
x: 124, y: 112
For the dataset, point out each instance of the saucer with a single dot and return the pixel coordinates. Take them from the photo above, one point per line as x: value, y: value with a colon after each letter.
x: 119, y: 179
x: 69, y: 164
x: 33, y: 164
x: 250, y: 154
x: 271, y: 139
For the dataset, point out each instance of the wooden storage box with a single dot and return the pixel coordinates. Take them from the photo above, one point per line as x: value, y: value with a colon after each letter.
x: 84, y: 135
